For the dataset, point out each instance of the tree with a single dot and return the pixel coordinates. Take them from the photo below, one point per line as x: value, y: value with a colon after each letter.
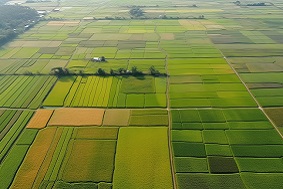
x: 122, y: 70
x: 163, y: 16
x: 154, y: 71
x: 112, y: 72
x: 100, y: 71
x: 237, y: 3
x: 135, y: 71
x: 28, y: 73
x: 136, y: 12
x: 102, y: 59
x: 59, y: 71
x: 256, y: 4
x: 81, y: 72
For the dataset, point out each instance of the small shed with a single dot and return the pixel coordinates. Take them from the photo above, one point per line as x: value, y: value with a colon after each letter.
x: 98, y: 59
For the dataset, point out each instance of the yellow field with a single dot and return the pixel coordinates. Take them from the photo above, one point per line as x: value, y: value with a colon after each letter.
x: 40, y: 119
x: 116, y: 117
x: 192, y: 25
x: 34, y: 159
x: 47, y: 160
x: 167, y: 36
x: 76, y: 117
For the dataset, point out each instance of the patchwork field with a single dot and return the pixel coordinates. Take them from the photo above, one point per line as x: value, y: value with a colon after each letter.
x: 94, y: 91
x: 223, y: 145
x: 206, y: 82
x: 190, y: 96
x: 58, y: 164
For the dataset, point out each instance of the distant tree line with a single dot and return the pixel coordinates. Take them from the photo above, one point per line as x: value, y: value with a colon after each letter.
x: 250, y: 4
x: 15, y: 19
x: 256, y: 4
x: 60, y: 71
x: 136, y: 12
x: 133, y: 71
x: 194, y: 5
x: 144, y: 18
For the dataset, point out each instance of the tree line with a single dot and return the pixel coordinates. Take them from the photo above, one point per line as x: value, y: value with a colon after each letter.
x: 60, y: 71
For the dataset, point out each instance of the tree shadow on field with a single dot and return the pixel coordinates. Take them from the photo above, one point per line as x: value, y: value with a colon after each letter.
x: 139, y: 77
x: 67, y: 78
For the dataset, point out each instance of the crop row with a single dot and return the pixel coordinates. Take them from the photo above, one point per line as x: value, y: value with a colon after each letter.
x: 93, y: 91
x: 15, y: 142
x: 90, y: 92
x: 12, y: 125
x: 24, y: 91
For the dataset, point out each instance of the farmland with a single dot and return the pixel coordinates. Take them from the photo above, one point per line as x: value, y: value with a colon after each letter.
x: 189, y: 96
x: 94, y: 91
x: 24, y: 91
x: 223, y: 145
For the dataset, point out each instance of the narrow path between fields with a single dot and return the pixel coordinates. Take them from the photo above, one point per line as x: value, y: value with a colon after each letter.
x: 169, y: 125
x: 170, y: 147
